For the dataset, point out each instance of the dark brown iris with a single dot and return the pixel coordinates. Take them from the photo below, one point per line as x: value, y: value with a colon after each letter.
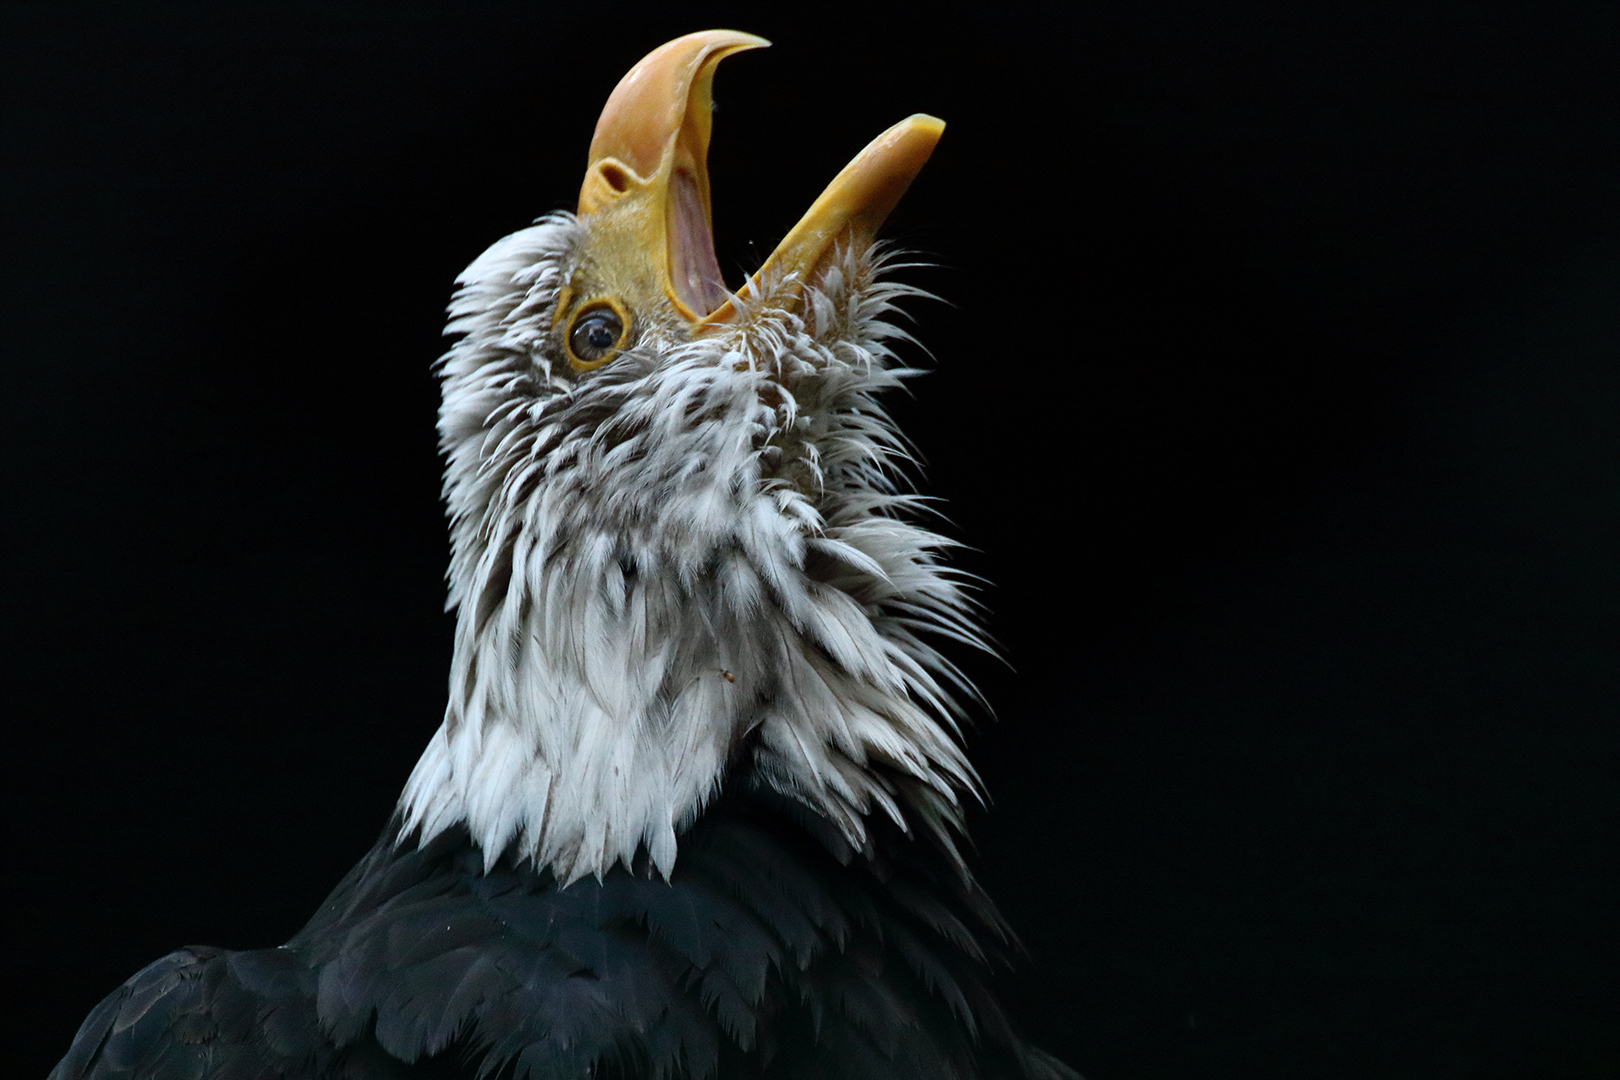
x: 597, y: 334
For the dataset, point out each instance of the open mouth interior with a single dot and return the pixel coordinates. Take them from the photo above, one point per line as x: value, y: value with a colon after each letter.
x: 694, y: 269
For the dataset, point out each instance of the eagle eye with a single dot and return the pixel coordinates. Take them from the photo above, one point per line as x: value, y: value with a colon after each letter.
x: 595, y: 336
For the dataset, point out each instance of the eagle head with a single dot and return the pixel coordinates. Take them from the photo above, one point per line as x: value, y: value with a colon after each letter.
x: 682, y: 550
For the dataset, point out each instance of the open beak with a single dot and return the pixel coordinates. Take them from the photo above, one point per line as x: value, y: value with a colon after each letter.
x: 645, y: 198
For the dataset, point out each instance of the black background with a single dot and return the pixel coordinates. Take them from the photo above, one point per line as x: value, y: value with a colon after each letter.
x: 1278, y: 396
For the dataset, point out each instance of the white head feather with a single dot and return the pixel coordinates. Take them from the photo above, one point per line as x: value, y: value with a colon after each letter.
x: 690, y: 556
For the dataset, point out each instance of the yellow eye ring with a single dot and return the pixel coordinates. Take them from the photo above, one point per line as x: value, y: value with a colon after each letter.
x: 596, y: 334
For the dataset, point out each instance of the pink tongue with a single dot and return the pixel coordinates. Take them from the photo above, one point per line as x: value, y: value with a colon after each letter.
x: 692, y: 264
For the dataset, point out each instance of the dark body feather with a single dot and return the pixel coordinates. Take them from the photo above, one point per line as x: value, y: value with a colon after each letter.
x: 776, y: 950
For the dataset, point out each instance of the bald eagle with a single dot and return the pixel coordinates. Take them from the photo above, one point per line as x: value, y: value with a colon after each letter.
x: 695, y: 806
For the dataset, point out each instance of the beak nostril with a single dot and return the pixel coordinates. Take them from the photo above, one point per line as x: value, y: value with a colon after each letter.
x: 615, y: 176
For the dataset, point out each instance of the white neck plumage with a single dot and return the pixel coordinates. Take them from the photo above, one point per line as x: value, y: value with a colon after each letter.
x: 686, y: 560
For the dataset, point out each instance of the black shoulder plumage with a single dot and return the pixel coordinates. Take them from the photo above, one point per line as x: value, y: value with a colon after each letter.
x: 209, y: 1013
x: 774, y: 951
